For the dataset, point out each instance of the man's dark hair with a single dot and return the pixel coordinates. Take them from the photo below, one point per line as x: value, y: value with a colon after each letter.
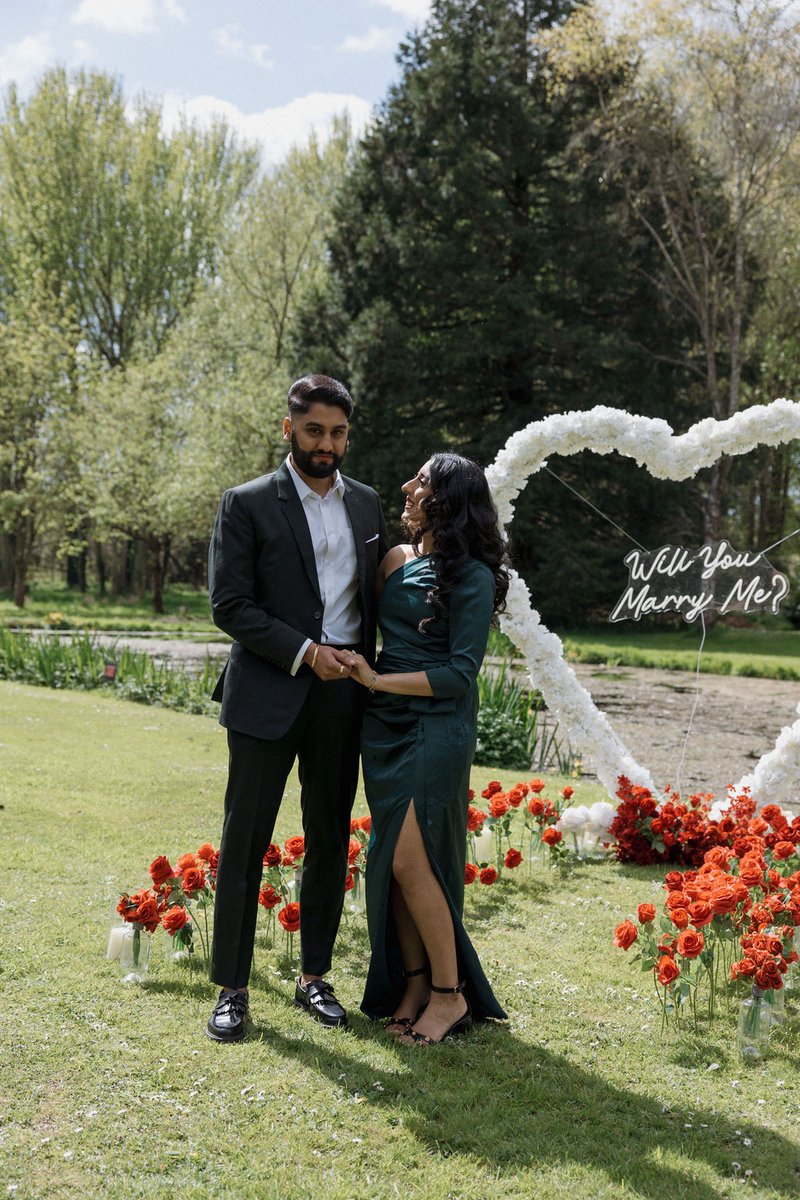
x: 319, y: 389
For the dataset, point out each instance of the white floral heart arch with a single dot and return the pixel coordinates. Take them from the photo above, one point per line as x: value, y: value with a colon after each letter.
x: 652, y: 444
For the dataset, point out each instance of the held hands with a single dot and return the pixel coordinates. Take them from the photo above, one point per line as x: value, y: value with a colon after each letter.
x: 356, y: 666
x: 328, y: 663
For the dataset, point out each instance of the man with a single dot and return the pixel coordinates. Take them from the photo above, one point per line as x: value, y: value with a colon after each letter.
x: 292, y: 566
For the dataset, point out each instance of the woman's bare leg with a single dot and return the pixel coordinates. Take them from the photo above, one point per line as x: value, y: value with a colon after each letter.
x: 414, y: 956
x: 430, y: 913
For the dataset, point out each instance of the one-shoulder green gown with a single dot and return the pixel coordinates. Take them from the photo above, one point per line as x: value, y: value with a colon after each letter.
x: 419, y: 749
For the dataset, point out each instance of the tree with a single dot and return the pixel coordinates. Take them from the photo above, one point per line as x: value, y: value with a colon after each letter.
x: 483, y: 275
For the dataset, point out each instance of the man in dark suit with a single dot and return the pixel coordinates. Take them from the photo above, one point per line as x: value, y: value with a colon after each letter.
x: 292, y: 565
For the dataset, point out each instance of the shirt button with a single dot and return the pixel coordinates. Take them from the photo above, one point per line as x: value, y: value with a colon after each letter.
x: 317, y: 616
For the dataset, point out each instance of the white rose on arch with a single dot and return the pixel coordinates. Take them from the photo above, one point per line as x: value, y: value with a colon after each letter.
x: 651, y: 443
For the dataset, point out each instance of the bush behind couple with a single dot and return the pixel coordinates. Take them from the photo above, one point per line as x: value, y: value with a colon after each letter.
x: 300, y: 574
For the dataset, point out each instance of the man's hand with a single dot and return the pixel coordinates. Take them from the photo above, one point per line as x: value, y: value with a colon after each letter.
x: 360, y: 669
x: 330, y: 664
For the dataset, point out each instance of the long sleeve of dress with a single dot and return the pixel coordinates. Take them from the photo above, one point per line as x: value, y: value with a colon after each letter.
x: 471, y: 606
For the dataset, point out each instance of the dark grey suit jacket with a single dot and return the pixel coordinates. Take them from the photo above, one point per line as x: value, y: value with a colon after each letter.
x: 265, y: 593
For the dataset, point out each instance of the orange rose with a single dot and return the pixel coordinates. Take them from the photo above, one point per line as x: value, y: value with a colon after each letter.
x: 174, y: 919
x: 206, y: 852
x: 625, y: 935
x: 289, y: 917
x: 783, y: 850
x: 700, y: 913
x: 536, y: 806
x: 691, y: 943
x: 499, y: 805
x: 551, y: 836
x: 491, y: 788
x: 668, y: 971
x: 475, y: 819
x: 192, y: 880
x: 147, y: 914
x: 513, y: 858
x: 768, y: 975
x: 567, y: 792
x: 744, y: 969
x: 295, y: 846
x: 160, y: 870
x: 488, y: 876
x: 537, y: 785
x: 517, y: 795
x: 679, y: 918
x: 365, y: 823
x: 470, y: 873
x: 646, y: 913
x: 350, y: 882
x: 675, y: 900
x: 268, y: 897
x: 187, y: 860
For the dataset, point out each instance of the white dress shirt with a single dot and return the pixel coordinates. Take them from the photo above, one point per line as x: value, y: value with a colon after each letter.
x: 336, y: 562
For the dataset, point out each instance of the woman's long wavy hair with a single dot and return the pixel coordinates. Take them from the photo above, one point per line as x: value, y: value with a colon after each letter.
x: 462, y: 518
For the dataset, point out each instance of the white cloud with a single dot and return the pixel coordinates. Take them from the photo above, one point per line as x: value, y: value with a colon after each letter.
x: 21, y: 62
x: 414, y: 10
x: 126, y: 16
x: 376, y: 38
x: 275, y: 129
x: 232, y: 41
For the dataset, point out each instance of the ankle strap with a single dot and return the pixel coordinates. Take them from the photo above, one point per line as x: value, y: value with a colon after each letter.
x: 451, y: 991
x: 411, y: 974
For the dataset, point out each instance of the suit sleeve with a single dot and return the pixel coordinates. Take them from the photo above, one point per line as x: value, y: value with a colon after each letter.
x: 231, y: 584
x: 471, y: 608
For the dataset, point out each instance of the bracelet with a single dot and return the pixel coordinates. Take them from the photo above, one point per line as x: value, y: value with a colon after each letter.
x: 314, y: 657
x: 373, y: 680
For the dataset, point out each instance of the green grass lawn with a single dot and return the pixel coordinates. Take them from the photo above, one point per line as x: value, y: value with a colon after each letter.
x: 186, y: 610
x: 114, y: 1091
x: 770, y: 653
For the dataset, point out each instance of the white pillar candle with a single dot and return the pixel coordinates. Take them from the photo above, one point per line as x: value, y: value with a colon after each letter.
x: 115, y: 939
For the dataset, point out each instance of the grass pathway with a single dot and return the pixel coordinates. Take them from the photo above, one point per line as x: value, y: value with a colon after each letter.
x: 112, y: 1091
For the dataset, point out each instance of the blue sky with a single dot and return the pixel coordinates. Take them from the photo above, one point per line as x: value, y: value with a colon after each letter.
x: 275, y: 68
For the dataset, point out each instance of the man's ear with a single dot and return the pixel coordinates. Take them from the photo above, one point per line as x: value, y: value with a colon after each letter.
x: 287, y: 428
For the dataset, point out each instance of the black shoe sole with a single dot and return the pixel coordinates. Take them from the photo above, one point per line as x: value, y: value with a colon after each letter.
x: 235, y: 1037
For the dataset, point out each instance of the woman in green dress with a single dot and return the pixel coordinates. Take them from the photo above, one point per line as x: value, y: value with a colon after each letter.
x: 438, y: 597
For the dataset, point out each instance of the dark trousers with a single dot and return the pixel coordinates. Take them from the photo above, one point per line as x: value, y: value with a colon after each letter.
x: 325, y: 740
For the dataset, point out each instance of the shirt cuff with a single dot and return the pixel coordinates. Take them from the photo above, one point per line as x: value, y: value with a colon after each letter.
x: 296, y: 664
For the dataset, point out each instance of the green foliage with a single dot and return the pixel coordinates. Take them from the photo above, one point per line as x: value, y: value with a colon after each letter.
x: 514, y: 729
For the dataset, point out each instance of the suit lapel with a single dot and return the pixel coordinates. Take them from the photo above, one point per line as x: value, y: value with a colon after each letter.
x: 361, y: 525
x: 292, y: 509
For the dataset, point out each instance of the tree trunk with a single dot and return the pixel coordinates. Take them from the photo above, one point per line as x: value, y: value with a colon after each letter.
x: 159, y: 558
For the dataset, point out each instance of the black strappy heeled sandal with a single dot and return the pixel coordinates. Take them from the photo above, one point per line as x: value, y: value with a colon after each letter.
x: 404, y: 1023
x: 462, y: 1025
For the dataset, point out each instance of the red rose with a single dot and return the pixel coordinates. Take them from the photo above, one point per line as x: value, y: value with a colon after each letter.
x: 567, y: 792
x: 668, y: 971
x: 646, y: 913
x: 537, y: 785
x: 768, y: 975
x: 551, y: 836
x: 350, y: 882
x: 691, y: 943
x: 206, y: 852
x: 673, y: 881
x: 488, y: 876
x: 192, y: 879
x: 499, y: 805
x: 353, y: 851
x: 174, y: 919
x: 470, y: 794
x: 783, y: 850
x: 289, y: 917
x: 536, y: 806
x: 187, y: 860
x: 491, y: 788
x: 272, y: 858
x: 147, y: 914
x: 517, y: 795
x: 160, y: 870
x: 470, y: 873
x: 295, y: 846
x: 675, y: 900
x: 365, y: 823
x: 268, y: 897
x: 475, y: 819
x: 723, y: 899
x: 513, y: 858
x: 745, y: 968
x: 625, y: 935
x: 700, y: 913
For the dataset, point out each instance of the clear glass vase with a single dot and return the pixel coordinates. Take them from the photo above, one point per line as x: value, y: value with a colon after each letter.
x: 134, y: 954
x: 755, y: 1022
x: 776, y: 999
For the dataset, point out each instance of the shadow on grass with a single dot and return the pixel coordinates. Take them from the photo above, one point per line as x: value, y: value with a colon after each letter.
x: 510, y: 1105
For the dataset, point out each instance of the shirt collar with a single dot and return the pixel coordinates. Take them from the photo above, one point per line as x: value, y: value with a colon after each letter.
x: 304, y: 491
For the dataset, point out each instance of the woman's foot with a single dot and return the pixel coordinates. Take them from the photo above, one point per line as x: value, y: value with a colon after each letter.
x: 414, y: 1000
x: 447, y: 1013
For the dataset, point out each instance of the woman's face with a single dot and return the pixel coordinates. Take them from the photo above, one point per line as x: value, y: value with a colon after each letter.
x: 416, y: 492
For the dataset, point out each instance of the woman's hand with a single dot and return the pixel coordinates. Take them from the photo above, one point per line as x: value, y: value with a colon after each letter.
x: 360, y: 670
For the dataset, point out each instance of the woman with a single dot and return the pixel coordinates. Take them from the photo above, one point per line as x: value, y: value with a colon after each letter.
x: 438, y: 596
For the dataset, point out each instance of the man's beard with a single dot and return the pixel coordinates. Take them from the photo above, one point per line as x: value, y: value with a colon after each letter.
x: 304, y: 462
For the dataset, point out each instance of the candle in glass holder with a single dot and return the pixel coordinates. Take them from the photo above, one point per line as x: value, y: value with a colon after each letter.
x: 116, y: 937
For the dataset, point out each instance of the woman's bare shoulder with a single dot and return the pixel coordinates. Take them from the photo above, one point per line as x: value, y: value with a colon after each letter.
x: 394, y: 559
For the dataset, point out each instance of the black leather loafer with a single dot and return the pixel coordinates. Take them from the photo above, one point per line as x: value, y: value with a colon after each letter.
x: 317, y: 998
x: 228, y: 1021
